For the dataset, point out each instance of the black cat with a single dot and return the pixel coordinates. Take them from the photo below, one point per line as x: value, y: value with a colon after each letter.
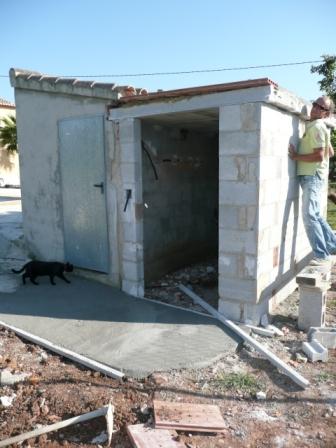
x: 53, y: 269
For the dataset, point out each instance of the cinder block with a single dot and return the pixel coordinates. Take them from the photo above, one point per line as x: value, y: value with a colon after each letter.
x: 238, y: 193
x: 232, y: 168
x: 133, y: 288
x: 314, y: 276
x: 325, y: 335
x: 230, y: 118
x: 238, y: 142
x: 237, y: 289
x: 315, y: 351
x: 312, y: 307
x: 236, y: 241
x: 132, y: 271
x: 250, y: 116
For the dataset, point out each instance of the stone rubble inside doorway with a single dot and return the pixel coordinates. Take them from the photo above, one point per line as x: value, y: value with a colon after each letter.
x: 202, y: 278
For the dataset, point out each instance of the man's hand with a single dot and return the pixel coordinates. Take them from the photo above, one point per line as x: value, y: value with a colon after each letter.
x: 292, y: 152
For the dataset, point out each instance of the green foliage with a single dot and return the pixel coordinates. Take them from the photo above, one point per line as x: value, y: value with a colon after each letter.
x: 328, y: 86
x: 8, y: 138
x: 331, y: 209
x: 237, y: 381
x: 325, y: 377
x: 331, y: 215
x: 328, y: 70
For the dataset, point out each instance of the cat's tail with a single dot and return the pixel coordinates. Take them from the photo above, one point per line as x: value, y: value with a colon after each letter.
x: 21, y: 270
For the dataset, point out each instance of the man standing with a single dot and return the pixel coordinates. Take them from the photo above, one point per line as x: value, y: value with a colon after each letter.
x: 312, y: 170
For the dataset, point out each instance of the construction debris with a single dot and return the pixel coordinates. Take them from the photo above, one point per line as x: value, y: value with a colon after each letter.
x: 8, y: 379
x: 315, y: 351
x: 325, y: 335
x: 296, y: 377
x: 261, y: 331
x: 106, y: 411
x: 144, y: 436
x: 188, y: 417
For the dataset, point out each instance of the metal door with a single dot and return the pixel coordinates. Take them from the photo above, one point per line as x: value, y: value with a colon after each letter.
x: 81, y: 142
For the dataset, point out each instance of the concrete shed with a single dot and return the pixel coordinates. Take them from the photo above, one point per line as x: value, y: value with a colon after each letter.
x: 129, y: 185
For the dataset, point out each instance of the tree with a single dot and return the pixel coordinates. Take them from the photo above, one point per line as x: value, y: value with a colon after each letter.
x: 8, y: 137
x: 328, y: 86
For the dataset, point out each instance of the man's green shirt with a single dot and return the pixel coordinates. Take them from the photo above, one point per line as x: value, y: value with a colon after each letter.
x: 316, y: 136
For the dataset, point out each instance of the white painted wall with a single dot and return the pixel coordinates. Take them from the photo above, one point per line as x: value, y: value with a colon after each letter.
x: 37, y: 116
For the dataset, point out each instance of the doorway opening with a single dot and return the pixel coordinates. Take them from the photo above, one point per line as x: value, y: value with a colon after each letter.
x: 180, y: 194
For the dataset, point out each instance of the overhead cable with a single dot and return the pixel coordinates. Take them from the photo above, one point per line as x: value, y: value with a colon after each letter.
x: 186, y: 72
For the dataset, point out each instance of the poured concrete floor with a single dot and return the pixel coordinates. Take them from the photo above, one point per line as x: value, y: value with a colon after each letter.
x: 133, y: 335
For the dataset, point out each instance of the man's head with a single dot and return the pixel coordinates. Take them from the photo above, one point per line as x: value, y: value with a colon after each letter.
x: 322, y: 108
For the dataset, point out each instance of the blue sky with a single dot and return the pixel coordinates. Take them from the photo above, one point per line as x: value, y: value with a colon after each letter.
x: 82, y: 37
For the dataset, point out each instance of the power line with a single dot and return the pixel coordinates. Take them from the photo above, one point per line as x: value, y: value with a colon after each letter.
x: 187, y: 72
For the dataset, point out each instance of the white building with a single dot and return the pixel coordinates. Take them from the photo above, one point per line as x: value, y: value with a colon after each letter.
x: 129, y: 185
x: 9, y: 162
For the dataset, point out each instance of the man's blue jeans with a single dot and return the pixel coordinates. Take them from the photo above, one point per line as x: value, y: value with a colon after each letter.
x: 321, y: 237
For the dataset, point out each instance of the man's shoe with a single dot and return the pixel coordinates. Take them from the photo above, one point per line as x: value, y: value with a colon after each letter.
x: 320, y: 262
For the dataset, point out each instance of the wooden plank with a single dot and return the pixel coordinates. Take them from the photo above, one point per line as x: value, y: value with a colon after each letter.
x: 106, y: 411
x: 143, y: 436
x: 188, y: 416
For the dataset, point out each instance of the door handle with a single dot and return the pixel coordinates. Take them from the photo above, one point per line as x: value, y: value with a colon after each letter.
x: 101, y: 186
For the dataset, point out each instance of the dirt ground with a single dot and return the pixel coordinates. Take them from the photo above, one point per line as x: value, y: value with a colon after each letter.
x: 284, y: 416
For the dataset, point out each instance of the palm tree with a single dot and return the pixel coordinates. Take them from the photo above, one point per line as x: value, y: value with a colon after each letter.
x: 8, y: 139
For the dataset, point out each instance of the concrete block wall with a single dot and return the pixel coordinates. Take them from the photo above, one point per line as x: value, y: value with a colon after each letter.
x: 239, y: 141
x: 128, y: 174
x: 282, y: 242
x: 261, y: 235
x: 180, y: 214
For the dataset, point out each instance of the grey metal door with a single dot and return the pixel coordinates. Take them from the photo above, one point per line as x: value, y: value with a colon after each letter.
x: 81, y: 142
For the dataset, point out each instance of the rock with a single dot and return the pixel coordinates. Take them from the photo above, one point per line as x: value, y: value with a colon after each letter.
x: 44, y: 410
x: 8, y: 379
x: 144, y: 409
x: 7, y: 401
x: 43, y: 358
x: 101, y: 438
x: 275, y: 330
x: 301, y: 358
x: 159, y: 379
x: 261, y: 395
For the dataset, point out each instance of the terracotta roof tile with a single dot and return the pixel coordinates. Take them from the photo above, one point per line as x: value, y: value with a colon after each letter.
x: 5, y: 103
x: 26, y: 79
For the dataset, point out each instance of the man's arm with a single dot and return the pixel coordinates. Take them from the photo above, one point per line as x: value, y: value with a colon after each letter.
x: 331, y: 151
x: 315, y: 156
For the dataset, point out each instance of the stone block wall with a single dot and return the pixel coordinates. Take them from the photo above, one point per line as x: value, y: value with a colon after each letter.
x: 239, y: 141
x: 261, y: 237
x: 282, y: 242
x: 128, y: 169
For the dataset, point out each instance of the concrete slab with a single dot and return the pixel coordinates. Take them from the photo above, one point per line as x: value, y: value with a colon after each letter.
x: 132, y: 335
